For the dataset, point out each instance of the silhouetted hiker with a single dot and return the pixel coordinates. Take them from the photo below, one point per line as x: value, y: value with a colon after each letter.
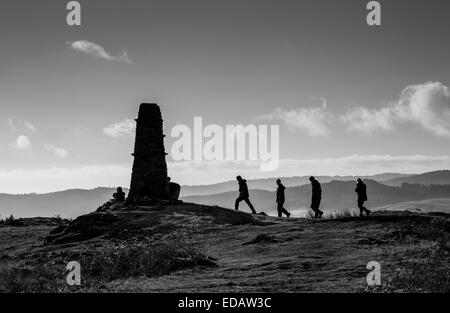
x: 173, y: 190
x: 119, y: 195
x: 243, y: 194
x: 361, y: 190
x: 281, y: 199
x: 316, y: 197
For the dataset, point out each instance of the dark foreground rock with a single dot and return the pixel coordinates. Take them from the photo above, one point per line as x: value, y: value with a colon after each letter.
x: 146, y: 219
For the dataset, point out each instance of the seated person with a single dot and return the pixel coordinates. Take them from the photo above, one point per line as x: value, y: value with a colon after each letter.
x: 173, y: 190
x: 119, y: 195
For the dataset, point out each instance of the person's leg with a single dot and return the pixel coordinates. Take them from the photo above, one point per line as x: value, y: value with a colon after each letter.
x: 320, y: 213
x: 236, y: 204
x: 282, y: 210
x: 247, y: 200
x: 314, y: 208
x: 361, y: 207
x: 279, y: 209
x: 365, y: 209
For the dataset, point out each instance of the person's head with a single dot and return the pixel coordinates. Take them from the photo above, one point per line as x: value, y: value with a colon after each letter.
x: 238, y: 178
x: 359, y: 180
x: 119, y: 189
x: 278, y: 181
x: 312, y: 178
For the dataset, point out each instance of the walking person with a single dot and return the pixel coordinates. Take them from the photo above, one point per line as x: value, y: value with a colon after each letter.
x: 316, y: 197
x: 281, y: 199
x: 243, y: 194
x: 361, y: 190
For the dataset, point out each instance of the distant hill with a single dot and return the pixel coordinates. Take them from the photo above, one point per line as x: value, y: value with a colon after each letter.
x: 69, y: 203
x: 429, y: 178
x: 424, y: 206
x: 337, y: 195
x: 269, y: 183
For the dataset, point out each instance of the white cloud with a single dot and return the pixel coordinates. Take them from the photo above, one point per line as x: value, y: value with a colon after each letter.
x: 23, y: 143
x: 97, y: 51
x: 427, y: 105
x: 30, y: 126
x: 312, y: 120
x: 366, y: 120
x: 120, y: 129
x: 57, y: 151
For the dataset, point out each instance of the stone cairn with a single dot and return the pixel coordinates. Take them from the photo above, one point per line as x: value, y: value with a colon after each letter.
x: 149, y: 175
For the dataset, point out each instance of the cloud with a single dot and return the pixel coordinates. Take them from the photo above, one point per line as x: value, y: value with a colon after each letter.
x: 361, y: 119
x: 23, y: 143
x: 427, y: 105
x: 312, y: 120
x: 30, y: 126
x: 121, y: 129
x: 58, y: 152
x: 97, y: 51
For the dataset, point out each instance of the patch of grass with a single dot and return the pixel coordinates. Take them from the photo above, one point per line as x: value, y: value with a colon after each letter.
x: 429, y: 271
x: 98, y: 267
x: 310, y: 214
x: 147, y: 260
x: 425, y: 267
x: 341, y: 214
x: 31, y: 279
x: 438, y: 229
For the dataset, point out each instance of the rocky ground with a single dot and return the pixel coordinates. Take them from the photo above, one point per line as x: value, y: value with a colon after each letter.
x: 161, y: 247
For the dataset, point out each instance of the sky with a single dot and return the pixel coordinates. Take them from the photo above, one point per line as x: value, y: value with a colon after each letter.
x: 349, y: 99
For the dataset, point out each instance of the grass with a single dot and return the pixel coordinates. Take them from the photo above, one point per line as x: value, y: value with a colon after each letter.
x: 335, y: 214
x: 341, y: 214
x: 429, y: 271
x: 424, y: 267
x: 148, y: 260
x: 31, y: 279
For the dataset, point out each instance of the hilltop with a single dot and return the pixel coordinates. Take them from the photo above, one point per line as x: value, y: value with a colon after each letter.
x: 182, y: 247
x: 430, y: 178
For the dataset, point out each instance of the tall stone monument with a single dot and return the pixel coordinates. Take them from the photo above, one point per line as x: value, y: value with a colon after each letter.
x: 149, y: 175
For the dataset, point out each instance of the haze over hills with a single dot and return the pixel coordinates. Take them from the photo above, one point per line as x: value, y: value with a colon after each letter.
x: 269, y: 183
x: 429, y: 178
x: 69, y: 203
x: 383, y: 189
